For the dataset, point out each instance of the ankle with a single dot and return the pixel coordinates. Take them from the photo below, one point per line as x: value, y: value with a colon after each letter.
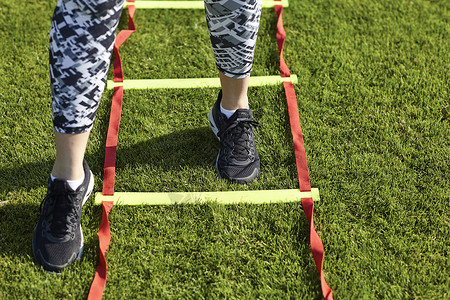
x: 67, y: 171
x: 73, y: 184
x: 233, y: 102
x: 234, y: 92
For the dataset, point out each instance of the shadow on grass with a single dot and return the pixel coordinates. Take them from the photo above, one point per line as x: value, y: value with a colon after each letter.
x: 185, y: 148
x: 191, y: 148
x: 17, y: 223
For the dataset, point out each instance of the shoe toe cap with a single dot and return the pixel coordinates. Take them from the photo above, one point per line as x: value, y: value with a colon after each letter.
x: 55, y: 257
x: 239, y: 174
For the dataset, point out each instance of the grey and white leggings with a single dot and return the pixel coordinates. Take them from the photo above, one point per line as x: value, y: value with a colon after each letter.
x: 82, y: 37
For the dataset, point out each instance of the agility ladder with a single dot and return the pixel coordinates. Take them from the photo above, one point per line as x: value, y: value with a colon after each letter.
x: 107, y: 198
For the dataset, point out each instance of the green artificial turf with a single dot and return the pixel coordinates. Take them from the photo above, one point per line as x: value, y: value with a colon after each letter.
x: 373, y: 98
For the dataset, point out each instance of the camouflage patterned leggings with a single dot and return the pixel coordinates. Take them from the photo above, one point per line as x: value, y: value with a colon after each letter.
x: 81, y: 40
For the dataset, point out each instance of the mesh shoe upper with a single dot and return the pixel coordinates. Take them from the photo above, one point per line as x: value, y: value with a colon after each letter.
x: 238, y: 158
x: 58, y: 238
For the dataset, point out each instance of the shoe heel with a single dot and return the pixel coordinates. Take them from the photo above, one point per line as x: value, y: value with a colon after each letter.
x: 90, y: 188
x: 212, y: 124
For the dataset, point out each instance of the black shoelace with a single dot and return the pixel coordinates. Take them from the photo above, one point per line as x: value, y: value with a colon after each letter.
x: 60, y: 213
x: 236, y: 138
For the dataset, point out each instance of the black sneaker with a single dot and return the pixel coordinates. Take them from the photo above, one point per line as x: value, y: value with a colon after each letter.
x: 58, y: 238
x: 238, y: 159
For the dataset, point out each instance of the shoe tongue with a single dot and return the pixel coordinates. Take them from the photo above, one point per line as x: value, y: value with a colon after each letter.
x: 243, y: 114
x: 240, y: 134
x: 61, y: 186
x: 58, y: 227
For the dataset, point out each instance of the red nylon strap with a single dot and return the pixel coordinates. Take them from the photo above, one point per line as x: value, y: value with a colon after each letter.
x: 111, y: 141
x: 303, y: 178
x: 300, y: 158
x: 104, y: 237
x: 281, y: 38
x: 104, y: 232
x: 116, y: 107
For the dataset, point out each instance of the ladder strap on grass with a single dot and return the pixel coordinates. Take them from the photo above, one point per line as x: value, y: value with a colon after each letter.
x: 142, y: 4
x: 300, y: 158
x: 104, y: 232
x: 228, y: 197
x: 189, y: 83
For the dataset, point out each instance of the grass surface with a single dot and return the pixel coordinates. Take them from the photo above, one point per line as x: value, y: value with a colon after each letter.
x: 374, y: 106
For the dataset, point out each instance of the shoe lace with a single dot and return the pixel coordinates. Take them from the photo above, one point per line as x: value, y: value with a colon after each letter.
x: 236, y: 137
x: 60, y: 213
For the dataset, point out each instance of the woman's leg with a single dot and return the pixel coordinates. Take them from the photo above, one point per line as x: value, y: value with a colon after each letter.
x: 81, y: 40
x: 233, y: 27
